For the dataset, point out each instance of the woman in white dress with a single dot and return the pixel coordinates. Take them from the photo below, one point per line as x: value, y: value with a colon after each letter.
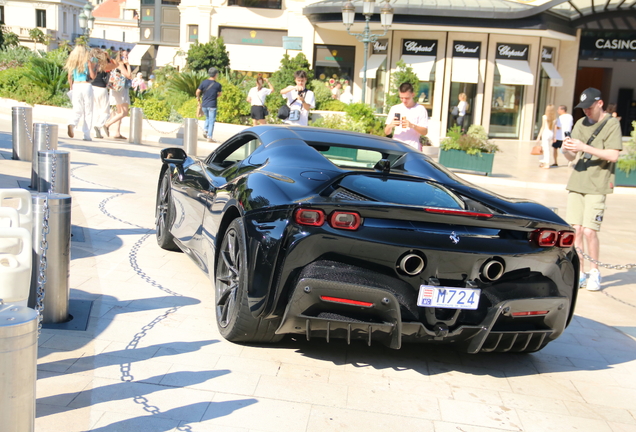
x: 546, y: 135
x: 462, y: 107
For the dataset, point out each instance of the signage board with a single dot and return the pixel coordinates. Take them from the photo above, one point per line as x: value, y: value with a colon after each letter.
x: 507, y: 51
x: 423, y: 47
x: 466, y: 49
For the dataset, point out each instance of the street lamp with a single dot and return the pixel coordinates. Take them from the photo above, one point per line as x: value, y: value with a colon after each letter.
x: 86, y: 19
x: 366, y: 37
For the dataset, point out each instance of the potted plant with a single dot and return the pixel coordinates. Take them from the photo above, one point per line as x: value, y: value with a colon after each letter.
x: 626, y: 165
x: 471, y: 151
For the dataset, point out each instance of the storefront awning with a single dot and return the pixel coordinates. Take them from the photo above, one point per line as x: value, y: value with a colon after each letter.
x: 373, y: 64
x: 165, y: 55
x: 515, y: 72
x: 135, y: 55
x: 421, y: 65
x: 555, y: 78
x: 465, y: 70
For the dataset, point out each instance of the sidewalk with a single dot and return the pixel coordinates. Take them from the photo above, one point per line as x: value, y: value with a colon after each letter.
x: 152, y: 359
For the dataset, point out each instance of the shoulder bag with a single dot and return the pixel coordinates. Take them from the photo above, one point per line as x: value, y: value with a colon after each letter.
x: 595, y: 134
x: 455, y: 111
x: 265, y: 111
x: 116, y: 81
x: 285, y: 111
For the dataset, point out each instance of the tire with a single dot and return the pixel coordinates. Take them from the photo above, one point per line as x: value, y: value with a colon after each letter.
x: 164, y: 214
x: 233, y: 316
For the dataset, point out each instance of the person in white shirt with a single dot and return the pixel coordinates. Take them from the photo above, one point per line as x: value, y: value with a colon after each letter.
x: 299, y: 99
x: 563, y: 126
x: 462, y: 107
x: 408, y: 120
x: 256, y: 97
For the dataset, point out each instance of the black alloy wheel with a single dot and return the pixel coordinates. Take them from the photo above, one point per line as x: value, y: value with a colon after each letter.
x: 164, y: 214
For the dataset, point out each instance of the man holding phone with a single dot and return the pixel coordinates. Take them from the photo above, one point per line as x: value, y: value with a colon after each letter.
x: 594, y: 145
x: 408, y: 120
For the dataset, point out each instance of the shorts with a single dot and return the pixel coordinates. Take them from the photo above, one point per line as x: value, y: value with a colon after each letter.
x: 119, y: 97
x: 557, y: 144
x: 258, y: 112
x: 585, y: 210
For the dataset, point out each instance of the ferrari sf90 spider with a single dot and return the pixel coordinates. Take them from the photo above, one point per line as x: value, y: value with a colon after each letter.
x: 335, y: 234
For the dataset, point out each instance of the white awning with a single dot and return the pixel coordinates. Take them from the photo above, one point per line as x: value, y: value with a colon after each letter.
x: 242, y: 58
x: 135, y: 55
x: 515, y: 72
x: 555, y: 78
x: 465, y: 70
x: 373, y: 64
x: 165, y: 55
x: 422, y: 65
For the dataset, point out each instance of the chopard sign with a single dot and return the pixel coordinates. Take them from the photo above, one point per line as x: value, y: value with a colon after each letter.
x: 466, y: 49
x: 419, y: 47
x: 547, y: 54
x: 512, y: 51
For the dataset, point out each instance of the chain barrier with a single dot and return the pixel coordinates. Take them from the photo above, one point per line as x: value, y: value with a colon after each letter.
x: 162, y: 132
x: 601, y: 264
x: 26, y: 128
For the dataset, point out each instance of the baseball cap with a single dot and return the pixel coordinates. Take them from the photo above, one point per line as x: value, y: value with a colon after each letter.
x: 588, y: 97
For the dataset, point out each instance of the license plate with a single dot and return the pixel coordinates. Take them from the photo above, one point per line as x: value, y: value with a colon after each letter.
x: 447, y: 297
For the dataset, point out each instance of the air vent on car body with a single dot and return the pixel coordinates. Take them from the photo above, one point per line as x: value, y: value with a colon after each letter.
x: 347, y: 195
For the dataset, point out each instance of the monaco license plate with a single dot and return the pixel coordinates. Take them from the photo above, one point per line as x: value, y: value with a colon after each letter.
x: 447, y: 297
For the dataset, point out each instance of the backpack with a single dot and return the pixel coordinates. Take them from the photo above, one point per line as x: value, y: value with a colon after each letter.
x: 116, y: 81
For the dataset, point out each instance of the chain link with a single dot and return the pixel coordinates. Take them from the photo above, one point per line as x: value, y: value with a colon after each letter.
x: 26, y: 128
x: 157, y: 130
x: 601, y: 264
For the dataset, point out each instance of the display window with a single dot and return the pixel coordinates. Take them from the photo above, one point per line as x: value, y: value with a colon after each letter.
x: 462, y: 92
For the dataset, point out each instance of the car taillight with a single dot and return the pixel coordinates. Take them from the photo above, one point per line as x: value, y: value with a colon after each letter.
x: 529, y: 313
x: 310, y: 217
x: 545, y: 237
x: 345, y: 220
x: 566, y: 239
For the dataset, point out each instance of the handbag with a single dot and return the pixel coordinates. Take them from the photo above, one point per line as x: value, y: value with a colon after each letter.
x: 283, y: 112
x: 116, y: 81
x: 537, y: 150
x: 265, y: 110
x: 455, y: 111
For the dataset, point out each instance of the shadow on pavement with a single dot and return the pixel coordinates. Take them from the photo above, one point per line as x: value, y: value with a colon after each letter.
x: 123, y: 152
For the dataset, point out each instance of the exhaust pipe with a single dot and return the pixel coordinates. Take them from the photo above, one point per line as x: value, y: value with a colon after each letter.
x: 492, y: 270
x: 411, y: 264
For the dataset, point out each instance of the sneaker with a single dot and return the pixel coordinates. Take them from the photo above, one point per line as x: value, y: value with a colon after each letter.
x: 98, y: 134
x: 593, y: 280
x: 582, y: 280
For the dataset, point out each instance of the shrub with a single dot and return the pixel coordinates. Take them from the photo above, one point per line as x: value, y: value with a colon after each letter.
x: 322, y: 92
x: 403, y: 74
x: 153, y: 108
x: 16, y: 55
x: 232, y: 105
x: 340, y: 122
x: 202, y: 57
x: 332, y: 105
x: 627, y: 161
x: 364, y: 113
x: 186, y: 82
x: 189, y: 109
x: 474, y: 142
x: 48, y: 75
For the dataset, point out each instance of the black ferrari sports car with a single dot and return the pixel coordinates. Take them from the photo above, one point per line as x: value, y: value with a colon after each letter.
x: 336, y: 234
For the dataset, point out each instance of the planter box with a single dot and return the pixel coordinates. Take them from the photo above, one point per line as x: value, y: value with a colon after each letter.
x: 623, y: 179
x: 461, y: 160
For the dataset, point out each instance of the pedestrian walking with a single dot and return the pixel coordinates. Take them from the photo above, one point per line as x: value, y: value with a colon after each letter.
x: 408, y: 120
x: 563, y: 127
x: 299, y: 99
x: 594, y: 147
x: 101, y: 103
x: 207, y: 94
x: 80, y: 70
x: 256, y: 97
x: 120, y: 97
x: 546, y: 135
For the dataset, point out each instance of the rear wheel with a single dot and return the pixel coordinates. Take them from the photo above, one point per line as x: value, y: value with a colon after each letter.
x: 164, y: 214
x: 233, y: 316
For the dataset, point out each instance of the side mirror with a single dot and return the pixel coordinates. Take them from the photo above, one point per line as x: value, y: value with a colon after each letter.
x: 173, y: 155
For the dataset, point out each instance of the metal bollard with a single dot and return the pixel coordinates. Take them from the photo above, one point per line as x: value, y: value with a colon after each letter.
x: 50, y: 161
x: 190, y: 136
x: 58, y: 255
x: 44, y: 138
x: 18, y: 367
x: 22, y: 127
x: 136, y: 119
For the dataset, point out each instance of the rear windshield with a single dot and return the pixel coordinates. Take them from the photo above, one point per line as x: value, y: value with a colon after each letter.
x: 402, y: 191
x: 348, y: 157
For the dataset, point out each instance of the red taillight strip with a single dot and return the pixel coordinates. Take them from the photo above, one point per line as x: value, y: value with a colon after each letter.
x: 335, y: 224
x: 298, y: 217
x: 457, y: 212
x: 529, y: 313
x: 346, y: 301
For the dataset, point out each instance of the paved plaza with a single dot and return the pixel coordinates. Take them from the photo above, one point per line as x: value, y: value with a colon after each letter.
x: 152, y: 359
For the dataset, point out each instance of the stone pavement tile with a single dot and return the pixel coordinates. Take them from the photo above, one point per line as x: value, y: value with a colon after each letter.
x: 136, y: 314
x: 535, y: 403
x: 176, y: 403
x: 478, y: 414
x: 476, y: 377
x: 510, y: 365
x: 603, y: 343
x: 599, y: 376
x: 54, y: 360
x: 456, y: 427
x: 571, y: 350
x: 539, y: 385
x: 478, y: 395
x: 205, y: 427
x: 303, y: 391
x: 203, y: 353
x: 248, y: 365
x: 580, y: 409
x: 107, y: 366
x: 388, y: 363
x: 234, y: 410
x: 216, y: 380
x: 393, y: 403
x: 621, y: 427
x: 418, y: 387
x: 349, y: 420
x: 542, y: 357
x: 297, y: 372
x: 53, y: 418
x: 607, y: 395
x: 314, y: 354
x: 535, y: 421
x: 59, y: 389
x: 63, y: 340
x: 122, y: 422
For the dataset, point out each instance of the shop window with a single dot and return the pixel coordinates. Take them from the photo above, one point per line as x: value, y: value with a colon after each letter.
x: 40, y: 18
x: 542, y: 102
x: 505, y: 111
x: 193, y: 33
x: 64, y: 23
x: 379, y: 91
x: 2, y: 14
x: 424, y: 94
x: 171, y: 2
x: 264, y: 4
x: 470, y: 90
x: 334, y: 63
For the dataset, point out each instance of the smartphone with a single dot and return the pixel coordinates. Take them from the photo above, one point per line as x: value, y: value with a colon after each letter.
x: 398, y: 116
x: 567, y: 134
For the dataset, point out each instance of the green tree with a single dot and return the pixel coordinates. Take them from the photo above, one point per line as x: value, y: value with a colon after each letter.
x: 284, y: 77
x: 403, y: 74
x: 232, y: 104
x: 48, y: 75
x: 38, y: 37
x: 10, y: 39
x: 186, y: 82
x: 202, y: 57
